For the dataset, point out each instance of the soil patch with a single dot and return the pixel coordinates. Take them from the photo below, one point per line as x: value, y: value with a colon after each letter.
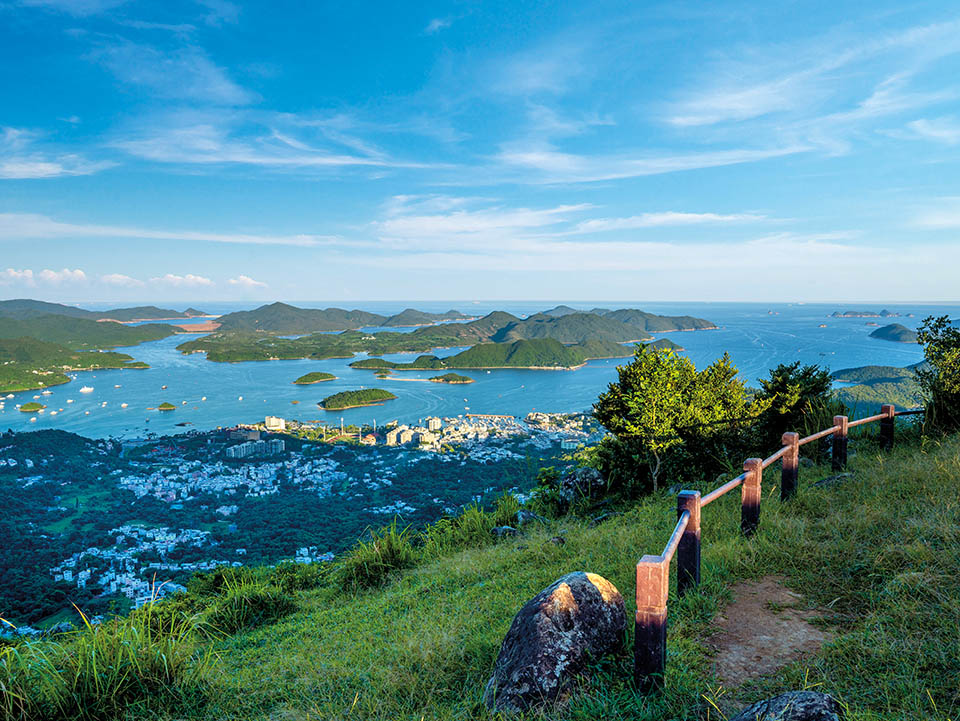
x: 765, y: 627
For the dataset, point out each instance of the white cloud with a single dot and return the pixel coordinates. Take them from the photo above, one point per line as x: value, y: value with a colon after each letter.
x: 183, y: 281
x: 246, y: 282
x: 118, y: 279
x: 22, y: 158
x: 944, y: 214
x: 180, y: 74
x: 667, y: 218
x: 942, y: 130
x: 56, y: 277
x: 23, y: 226
x: 12, y: 275
x: 437, y: 24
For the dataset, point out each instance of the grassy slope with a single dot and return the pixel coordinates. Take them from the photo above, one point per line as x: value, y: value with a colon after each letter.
x: 880, y: 551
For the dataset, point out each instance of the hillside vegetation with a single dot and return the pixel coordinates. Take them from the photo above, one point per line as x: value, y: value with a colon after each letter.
x: 27, y: 308
x: 31, y: 364
x: 80, y: 333
x: 355, y: 399
x: 895, y: 332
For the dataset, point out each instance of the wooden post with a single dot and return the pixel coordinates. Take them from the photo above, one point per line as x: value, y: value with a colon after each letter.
x: 790, y: 464
x: 650, y: 631
x: 750, y: 500
x: 840, y: 442
x: 688, y: 550
x: 886, y: 426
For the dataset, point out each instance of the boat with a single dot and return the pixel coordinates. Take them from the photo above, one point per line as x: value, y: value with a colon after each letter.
x: 86, y: 413
x: 240, y: 398
x: 163, y: 388
x: 69, y: 400
x: 123, y: 405
x: 46, y: 393
x: 86, y: 389
x: 204, y: 398
x: 33, y: 420
x: 53, y: 413
x: 184, y: 403
x: 117, y: 386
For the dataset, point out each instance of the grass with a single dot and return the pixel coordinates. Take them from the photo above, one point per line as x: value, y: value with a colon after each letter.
x: 879, y: 551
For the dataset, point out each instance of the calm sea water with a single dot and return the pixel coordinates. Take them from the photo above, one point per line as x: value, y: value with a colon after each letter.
x: 757, y: 337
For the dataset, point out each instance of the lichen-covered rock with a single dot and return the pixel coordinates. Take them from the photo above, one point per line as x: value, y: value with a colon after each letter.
x: 793, y: 706
x: 504, y: 531
x: 581, y: 483
x: 524, y: 517
x: 578, y: 617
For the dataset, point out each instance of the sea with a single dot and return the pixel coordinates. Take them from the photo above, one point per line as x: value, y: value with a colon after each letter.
x: 208, y: 395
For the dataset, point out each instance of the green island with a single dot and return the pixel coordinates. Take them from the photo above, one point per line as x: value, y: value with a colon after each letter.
x: 451, y: 378
x: 236, y: 342
x: 32, y: 407
x: 27, y: 308
x: 877, y: 385
x: 80, y: 333
x: 166, y: 407
x: 896, y: 333
x: 289, y: 319
x: 356, y: 399
x: 29, y: 364
x: 314, y: 377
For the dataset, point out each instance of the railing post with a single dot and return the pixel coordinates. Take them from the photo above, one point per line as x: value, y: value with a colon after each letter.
x: 750, y: 500
x: 650, y: 632
x: 790, y: 464
x: 688, y: 550
x: 886, y: 426
x: 840, y: 442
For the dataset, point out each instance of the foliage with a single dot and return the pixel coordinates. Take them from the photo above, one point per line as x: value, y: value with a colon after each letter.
x: 798, y: 398
x: 314, y: 377
x: 32, y: 407
x: 80, y: 333
x: 349, y: 399
x: 166, y: 407
x: 940, y: 378
x: 451, y: 378
x: 247, y: 603
x: 29, y: 364
x: 660, y: 402
x: 895, y: 332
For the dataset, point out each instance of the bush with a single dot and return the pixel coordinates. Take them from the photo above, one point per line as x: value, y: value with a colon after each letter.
x: 470, y: 529
x: 940, y: 377
x: 290, y: 576
x: 369, y: 563
x: 168, y: 616
x: 800, y: 398
x: 246, y: 604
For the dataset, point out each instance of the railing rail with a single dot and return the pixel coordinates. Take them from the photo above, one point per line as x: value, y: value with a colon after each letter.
x: 653, y: 572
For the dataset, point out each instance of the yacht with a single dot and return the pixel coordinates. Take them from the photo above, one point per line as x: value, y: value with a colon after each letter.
x: 123, y: 405
x: 86, y: 389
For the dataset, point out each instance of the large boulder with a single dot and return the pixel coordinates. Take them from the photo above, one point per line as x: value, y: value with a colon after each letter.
x: 581, y: 483
x: 793, y: 706
x: 577, y: 618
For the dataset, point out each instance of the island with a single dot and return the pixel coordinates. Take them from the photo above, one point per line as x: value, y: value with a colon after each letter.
x: 896, y: 333
x: 876, y: 385
x: 166, y: 407
x: 314, y: 377
x: 864, y: 314
x: 32, y: 407
x: 356, y: 399
x: 451, y: 378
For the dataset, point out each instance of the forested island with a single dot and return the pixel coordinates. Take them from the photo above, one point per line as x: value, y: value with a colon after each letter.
x: 355, y: 399
x: 314, y: 377
x: 166, y: 407
x: 32, y: 407
x: 864, y: 314
x: 876, y: 385
x: 289, y: 319
x: 27, y: 308
x: 896, y: 333
x: 451, y: 378
x: 28, y: 364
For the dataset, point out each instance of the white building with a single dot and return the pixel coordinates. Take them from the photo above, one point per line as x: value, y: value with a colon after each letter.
x: 273, y: 423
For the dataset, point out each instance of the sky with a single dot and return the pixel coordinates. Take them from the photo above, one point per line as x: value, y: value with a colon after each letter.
x: 182, y: 150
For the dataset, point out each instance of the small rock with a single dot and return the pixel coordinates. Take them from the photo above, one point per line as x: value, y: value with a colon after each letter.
x: 577, y: 619
x: 603, y: 517
x: 832, y: 480
x: 504, y: 531
x: 524, y: 517
x: 558, y: 540
x: 807, y: 463
x: 793, y: 706
x: 581, y: 483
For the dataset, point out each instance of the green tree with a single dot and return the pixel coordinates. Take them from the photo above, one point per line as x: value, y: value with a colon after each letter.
x: 939, y: 378
x: 658, y: 404
x: 799, y: 398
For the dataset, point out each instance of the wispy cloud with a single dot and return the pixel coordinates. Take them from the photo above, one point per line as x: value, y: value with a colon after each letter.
x: 943, y: 214
x: 944, y: 130
x: 437, y: 24
x: 121, y: 280
x: 664, y: 219
x: 246, y: 282
x: 183, y: 281
x: 23, y: 156
x: 27, y: 226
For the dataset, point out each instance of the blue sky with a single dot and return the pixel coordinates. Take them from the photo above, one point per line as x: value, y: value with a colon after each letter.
x: 209, y: 149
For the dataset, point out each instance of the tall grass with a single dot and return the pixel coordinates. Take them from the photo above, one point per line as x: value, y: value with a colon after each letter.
x: 369, y: 563
x: 246, y: 603
x: 102, y: 672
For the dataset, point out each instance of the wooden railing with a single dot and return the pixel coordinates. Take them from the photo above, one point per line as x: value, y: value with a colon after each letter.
x: 653, y: 572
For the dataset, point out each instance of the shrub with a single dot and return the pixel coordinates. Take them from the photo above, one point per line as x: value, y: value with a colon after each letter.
x: 290, y: 576
x: 369, y: 563
x: 246, y: 604
x: 940, y: 377
x: 800, y: 398
x: 470, y: 529
x: 168, y: 615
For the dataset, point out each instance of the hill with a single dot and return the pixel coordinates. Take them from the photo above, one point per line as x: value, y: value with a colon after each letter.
x: 423, y: 644
x: 145, y: 312
x: 31, y: 364
x: 864, y: 314
x: 895, y: 332
x: 80, y: 332
x: 27, y: 308
x: 451, y: 378
x: 653, y: 323
x: 560, y: 310
x: 569, y: 328
x: 411, y: 317
x: 877, y: 385
x: 288, y: 319
x: 355, y: 399
x: 314, y: 377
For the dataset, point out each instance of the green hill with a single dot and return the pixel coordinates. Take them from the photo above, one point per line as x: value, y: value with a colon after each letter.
x: 873, y: 555
x: 895, y: 332
x: 27, y: 308
x: 412, y: 317
x: 288, y: 319
x: 81, y: 333
x: 31, y: 364
x: 314, y: 377
x: 355, y: 399
x: 452, y: 378
x: 569, y: 328
x: 654, y: 323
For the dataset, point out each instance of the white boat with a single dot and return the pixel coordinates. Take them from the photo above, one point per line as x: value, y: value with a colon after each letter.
x: 117, y: 386
x: 204, y: 398
x: 184, y: 403
x: 33, y: 420
x: 47, y: 393
x: 86, y: 413
x: 53, y: 413
x: 69, y: 400
x: 123, y: 405
x: 86, y: 389
x: 9, y: 395
x: 240, y: 398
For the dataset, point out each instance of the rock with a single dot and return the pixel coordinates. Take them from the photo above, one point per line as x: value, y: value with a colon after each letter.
x: 833, y: 480
x: 807, y: 463
x: 581, y: 483
x: 558, y: 540
x: 603, y: 517
x: 504, y: 531
x: 524, y: 517
x: 793, y: 706
x: 578, y: 618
